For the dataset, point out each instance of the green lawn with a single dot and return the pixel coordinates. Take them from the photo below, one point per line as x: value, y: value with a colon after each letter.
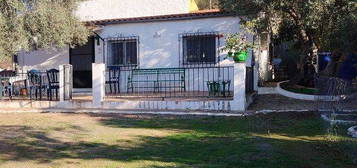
x: 117, y: 141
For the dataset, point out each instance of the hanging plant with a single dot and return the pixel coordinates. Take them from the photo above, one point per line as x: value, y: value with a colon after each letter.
x: 237, y: 46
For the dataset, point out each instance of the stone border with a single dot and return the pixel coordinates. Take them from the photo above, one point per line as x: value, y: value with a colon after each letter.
x: 352, y: 131
x: 219, y: 105
x: 126, y: 112
x: 326, y: 118
x: 300, y: 96
x: 155, y: 112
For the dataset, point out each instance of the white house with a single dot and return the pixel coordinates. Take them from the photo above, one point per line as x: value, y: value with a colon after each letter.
x: 147, y: 34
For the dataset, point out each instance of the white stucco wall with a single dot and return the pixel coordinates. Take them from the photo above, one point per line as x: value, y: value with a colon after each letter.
x: 109, y: 9
x: 160, y: 46
x: 43, y: 59
x: 159, y: 41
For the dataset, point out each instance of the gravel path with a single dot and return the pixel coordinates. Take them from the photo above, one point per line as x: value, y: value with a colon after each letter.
x: 278, y: 102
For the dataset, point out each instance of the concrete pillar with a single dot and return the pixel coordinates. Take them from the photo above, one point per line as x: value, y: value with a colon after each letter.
x: 239, y: 100
x: 256, y: 78
x: 98, y: 77
x: 65, y: 82
x: 99, y: 50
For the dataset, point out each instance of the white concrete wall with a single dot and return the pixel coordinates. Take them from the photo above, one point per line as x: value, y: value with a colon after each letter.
x: 43, y: 59
x: 159, y: 41
x: 112, y: 9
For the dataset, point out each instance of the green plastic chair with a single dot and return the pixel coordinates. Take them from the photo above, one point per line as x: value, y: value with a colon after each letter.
x: 213, y: 88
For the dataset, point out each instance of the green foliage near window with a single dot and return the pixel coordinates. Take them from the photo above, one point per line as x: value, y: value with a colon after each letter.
x: 237, y: 46
x: 237, y: 42
x: 32, y: 24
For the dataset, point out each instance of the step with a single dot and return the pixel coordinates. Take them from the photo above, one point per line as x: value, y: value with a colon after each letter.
x: 81, y: 92
x: 339, y: 120
x: 341, y: 112
x: 347, y: 117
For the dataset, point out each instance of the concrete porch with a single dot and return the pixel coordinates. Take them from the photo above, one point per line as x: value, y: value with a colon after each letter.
x: 90, y: 99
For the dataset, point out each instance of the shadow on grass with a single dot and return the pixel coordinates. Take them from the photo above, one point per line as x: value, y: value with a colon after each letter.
x: 203, y: 142
x: 292, y: 124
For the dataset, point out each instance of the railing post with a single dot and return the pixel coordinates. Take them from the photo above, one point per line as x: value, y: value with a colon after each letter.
x: 65, y: 82
x: 239, y: 79
x: 98, y: 77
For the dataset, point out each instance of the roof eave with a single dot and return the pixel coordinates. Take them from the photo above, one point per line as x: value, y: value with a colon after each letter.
x: 162, y: 18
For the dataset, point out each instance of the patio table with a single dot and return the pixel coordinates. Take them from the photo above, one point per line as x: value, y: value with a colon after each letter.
x: 19, y: 87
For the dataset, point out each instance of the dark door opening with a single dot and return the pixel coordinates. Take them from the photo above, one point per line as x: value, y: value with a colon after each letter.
x: 81, y: 58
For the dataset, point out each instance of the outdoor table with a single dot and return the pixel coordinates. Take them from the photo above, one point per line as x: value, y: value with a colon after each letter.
x: 19, y: 87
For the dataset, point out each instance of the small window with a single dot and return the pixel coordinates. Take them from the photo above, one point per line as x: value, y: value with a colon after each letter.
x: 123, y: 52
x: 199, y: 49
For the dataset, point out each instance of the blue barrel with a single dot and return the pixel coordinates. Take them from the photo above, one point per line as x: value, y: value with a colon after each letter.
x: 323, y: 59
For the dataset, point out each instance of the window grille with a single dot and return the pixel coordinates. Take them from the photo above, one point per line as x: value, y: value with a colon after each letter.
x: 200, y: 48
x: 122, y: 51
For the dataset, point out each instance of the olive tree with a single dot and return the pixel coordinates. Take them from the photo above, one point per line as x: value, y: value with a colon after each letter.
x: 32, y: 24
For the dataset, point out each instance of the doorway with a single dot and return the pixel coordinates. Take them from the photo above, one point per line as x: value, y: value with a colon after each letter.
x: 81, y: 59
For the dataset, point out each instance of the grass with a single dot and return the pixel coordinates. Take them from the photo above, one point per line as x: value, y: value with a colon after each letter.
x: 299, y: 89
x: 126, y: 141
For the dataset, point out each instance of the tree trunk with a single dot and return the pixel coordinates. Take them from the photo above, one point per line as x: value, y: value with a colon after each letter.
x: 307, y: 68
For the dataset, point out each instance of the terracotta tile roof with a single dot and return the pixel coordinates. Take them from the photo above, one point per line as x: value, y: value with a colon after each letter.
x: 184, y: 16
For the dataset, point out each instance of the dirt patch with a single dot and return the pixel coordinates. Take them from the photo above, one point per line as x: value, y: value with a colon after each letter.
x: 278, y: 102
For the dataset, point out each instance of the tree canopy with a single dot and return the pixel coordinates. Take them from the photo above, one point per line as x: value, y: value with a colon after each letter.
x: 31, y: 24
x: 316, y: 24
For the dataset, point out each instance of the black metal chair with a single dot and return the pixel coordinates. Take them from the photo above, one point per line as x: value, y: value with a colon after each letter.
x: 35, y: 84
x: 53, y: 83
x: 113, y: 79
x: 5, y: 85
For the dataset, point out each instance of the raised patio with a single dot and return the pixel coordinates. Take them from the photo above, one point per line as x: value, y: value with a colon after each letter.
x: 221, y: 88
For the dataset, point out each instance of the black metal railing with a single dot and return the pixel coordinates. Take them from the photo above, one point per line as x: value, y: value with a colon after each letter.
x: 180, y: 82
x: 249, y: 80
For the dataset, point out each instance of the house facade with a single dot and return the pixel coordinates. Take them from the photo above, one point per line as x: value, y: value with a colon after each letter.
x: 100, y: 10
x: 156, y: 37
x: 169, y: 37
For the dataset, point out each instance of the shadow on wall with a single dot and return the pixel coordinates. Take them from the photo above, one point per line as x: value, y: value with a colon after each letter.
x: 157, y: 58
x: 43, y: 59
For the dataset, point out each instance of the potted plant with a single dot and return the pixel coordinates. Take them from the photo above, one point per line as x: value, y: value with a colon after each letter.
x: 237, y: 47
